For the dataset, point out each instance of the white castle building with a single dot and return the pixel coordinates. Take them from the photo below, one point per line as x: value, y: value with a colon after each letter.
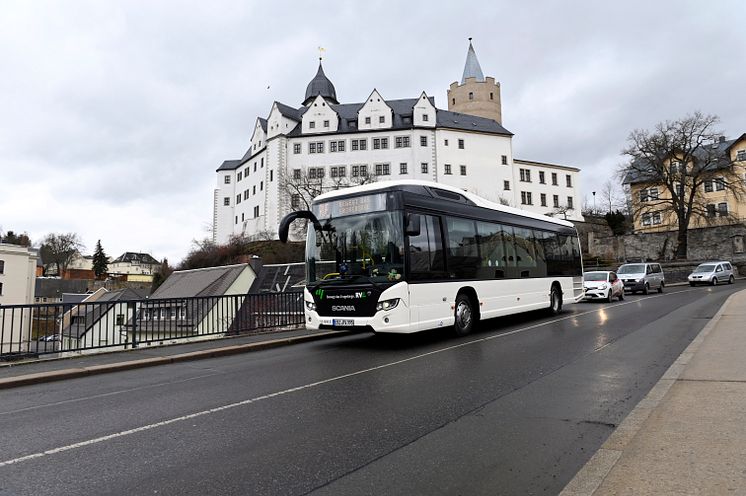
x: 299, y: 152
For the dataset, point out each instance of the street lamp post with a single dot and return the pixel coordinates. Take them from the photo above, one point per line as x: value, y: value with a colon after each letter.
x: 594, y: 201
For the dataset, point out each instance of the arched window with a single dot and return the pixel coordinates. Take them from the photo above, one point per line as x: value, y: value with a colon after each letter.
x: 471, y: 95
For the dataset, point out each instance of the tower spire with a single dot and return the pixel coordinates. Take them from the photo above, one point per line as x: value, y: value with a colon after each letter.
x: 472, y: 69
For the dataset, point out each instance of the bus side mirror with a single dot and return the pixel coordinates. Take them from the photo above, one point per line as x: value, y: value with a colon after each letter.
x: 413, y: 225
x: 282, y: 231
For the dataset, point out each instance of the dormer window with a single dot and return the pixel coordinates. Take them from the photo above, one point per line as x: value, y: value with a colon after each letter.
x: 326, y: 123
x: 425, y: 117
x: 312, y: 125
x: 367, y: 120
x: 382, y: 119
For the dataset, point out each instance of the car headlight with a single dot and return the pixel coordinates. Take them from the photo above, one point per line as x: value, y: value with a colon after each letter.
x: 311, y: 306
x: 603, y: 286
x: 387, y: 304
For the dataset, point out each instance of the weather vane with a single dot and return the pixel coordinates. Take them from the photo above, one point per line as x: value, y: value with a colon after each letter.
x: 321, y: 52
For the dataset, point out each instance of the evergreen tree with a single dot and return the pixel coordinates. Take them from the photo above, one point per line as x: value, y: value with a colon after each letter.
x: 100, y: 264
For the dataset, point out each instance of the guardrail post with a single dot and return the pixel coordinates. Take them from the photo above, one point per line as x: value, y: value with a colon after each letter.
x: 133, y: 306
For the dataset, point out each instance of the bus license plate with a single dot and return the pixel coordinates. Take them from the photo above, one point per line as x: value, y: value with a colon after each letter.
x: 343, y: 322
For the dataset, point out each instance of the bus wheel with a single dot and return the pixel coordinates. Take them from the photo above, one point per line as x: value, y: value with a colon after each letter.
x: 555, y: 300
x: 464, y: 315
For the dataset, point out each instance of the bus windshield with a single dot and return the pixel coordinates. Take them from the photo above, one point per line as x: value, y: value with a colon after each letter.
x: 368, y: 247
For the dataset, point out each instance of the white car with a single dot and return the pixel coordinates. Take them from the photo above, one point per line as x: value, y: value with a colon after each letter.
x: 712, y: 273
x: 602, y: 285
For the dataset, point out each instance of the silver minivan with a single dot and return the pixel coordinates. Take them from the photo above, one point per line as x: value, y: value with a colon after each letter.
x: 712, y: 273
x: 642, y: 277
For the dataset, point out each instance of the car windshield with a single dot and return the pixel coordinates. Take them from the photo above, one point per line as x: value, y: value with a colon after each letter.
x: 705, y: 268
x: 366, y: 246
x: 596, y: 276
x: 631, y: 269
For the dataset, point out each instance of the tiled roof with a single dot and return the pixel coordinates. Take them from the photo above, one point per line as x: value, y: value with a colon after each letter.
x: 210, y: 281
x: 130, y: 257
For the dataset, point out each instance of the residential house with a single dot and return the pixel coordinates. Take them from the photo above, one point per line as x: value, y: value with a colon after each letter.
x: 17, y: 285
x: 716, y: 201
x: 132, y: 266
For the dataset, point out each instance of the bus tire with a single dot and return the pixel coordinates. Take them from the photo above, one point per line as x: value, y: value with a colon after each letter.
x: 464, y: 315
x: 555, y: 300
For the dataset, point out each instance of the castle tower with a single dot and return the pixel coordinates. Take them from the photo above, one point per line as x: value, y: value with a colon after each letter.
x: 476, y: 95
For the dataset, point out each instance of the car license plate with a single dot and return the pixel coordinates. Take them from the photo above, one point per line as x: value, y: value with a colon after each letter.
x: 343, y: 322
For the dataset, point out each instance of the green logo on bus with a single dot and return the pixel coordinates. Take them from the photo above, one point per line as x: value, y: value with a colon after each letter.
x: 319, y: 293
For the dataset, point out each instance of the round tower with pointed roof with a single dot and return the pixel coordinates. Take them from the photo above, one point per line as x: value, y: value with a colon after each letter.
x: 476, y: 94
x: 320, y: 85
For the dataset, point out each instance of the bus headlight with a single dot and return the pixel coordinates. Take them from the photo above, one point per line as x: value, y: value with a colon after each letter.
x: 387, y: 304
x: 311, y: 306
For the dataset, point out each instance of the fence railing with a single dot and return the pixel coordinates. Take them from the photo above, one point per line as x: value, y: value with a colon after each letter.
x: 93, y: 326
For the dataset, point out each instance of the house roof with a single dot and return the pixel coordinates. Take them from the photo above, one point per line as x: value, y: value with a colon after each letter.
x: 276, y: 278
x: 132, y: 257
x: 263, y: 123
x: 229, y: 165
x: 210, y: 281
x: 86, y: 316
x: 545, y: 164
x: 642, y: 173
x: 46, y: 287
x: 320, y: 85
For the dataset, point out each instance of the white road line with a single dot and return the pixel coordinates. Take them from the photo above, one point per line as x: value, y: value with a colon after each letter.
x: 307, y: 386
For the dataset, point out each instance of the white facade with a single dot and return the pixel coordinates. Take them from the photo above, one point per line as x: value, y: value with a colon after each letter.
x: 17, y: 287
x: 390, y: 139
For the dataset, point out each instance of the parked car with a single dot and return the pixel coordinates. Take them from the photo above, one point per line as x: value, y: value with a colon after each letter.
x: 642, y: 277
x: 602, y: 285
x: 712, y: 273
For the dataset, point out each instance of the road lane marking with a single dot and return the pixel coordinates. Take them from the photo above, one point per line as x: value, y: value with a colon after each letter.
x: 256, y: 399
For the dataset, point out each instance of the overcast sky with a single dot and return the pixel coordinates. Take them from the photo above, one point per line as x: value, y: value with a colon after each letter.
x: 115, y: 115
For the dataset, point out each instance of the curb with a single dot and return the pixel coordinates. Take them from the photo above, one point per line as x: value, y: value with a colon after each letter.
x: 593, y: 473
x: 71, y: 373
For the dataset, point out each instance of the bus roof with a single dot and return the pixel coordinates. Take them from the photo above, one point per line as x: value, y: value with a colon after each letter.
x: 478, y: 200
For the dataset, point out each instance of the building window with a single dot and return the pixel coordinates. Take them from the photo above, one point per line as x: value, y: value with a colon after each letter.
x: 569, y: 202
x: 246, y: 172
x: 554, y: 179
x: 312, y: 147
x: 568, y: 180
x: 463, y: 170
x: 242, y: 217
x: 363, y: 170
x: 460, y: 144
x: 367, y: 120
x: 261, y: 162
x: 506, y: 185
x: 445, y: 142
x: 312, y: 125
x: 246, y: 194
x: 492, y: 96
x: 646, y: 219
x: 381, y: 119
x: 271, y: 175
x: 256, y: 211
x: 401, y: 142
x: 236, y: 219
x: 542, y: 180
x: 354, y: 145
x: 261, y: 186
x: 332, y: 146
x: 555, y: 201
x: 296, y: 173
x: 525, y: 175
x: 2, y: 266
x: 719, y: 184
x: 254, y: 166
x: 296, y: 148
x: 708, y: 186
x: 423, y: 167
x: 741, y: 155
x: 447, y: 168
x: 342, y: 171
x: 355, y: 172
x: 294, y: 201
x: 471, y: 95
x: 385, y: 143
x: 326, y: 123
x: 239, y: 177
x: 711, y: 210
x: 504, y: 160
x: 238, y: 199
x: 337, y: 146
x: 543, y: 198
x: 226, y: 202
x: 423, y: 140
x: 723, y: 209
x: 253, y: 190
x: 227, y: 179
x: 382, y: 170
x: 376, y: 143
x: 426, y: 118
x: 403, y: 168
x: 526, y: 198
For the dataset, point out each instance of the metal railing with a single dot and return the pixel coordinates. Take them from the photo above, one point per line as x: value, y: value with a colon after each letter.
x: 28, y: 331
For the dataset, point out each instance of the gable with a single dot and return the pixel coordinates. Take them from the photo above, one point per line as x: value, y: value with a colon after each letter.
x: 375, y: 113
x: 320, y: 117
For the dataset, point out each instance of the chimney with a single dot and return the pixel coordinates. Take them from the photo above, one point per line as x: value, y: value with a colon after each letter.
x: 722, y: 139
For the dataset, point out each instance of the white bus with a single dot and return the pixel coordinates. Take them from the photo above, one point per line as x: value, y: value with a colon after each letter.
x: 405, y: 256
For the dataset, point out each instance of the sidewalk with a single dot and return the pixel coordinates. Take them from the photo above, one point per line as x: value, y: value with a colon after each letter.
x: 15, y: 374
x: 688, y: 435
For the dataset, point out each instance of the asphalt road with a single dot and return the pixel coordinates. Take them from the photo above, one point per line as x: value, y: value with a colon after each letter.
x: 516, y: 408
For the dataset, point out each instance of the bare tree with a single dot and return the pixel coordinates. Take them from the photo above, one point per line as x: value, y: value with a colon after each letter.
x: 611, y: 197
x: 60, y: 250
x: 679, y: 156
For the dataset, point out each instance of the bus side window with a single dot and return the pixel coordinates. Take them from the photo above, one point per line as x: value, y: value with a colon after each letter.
x: 463, y: 254
x: 492, y: 252
x: 426, y: 250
